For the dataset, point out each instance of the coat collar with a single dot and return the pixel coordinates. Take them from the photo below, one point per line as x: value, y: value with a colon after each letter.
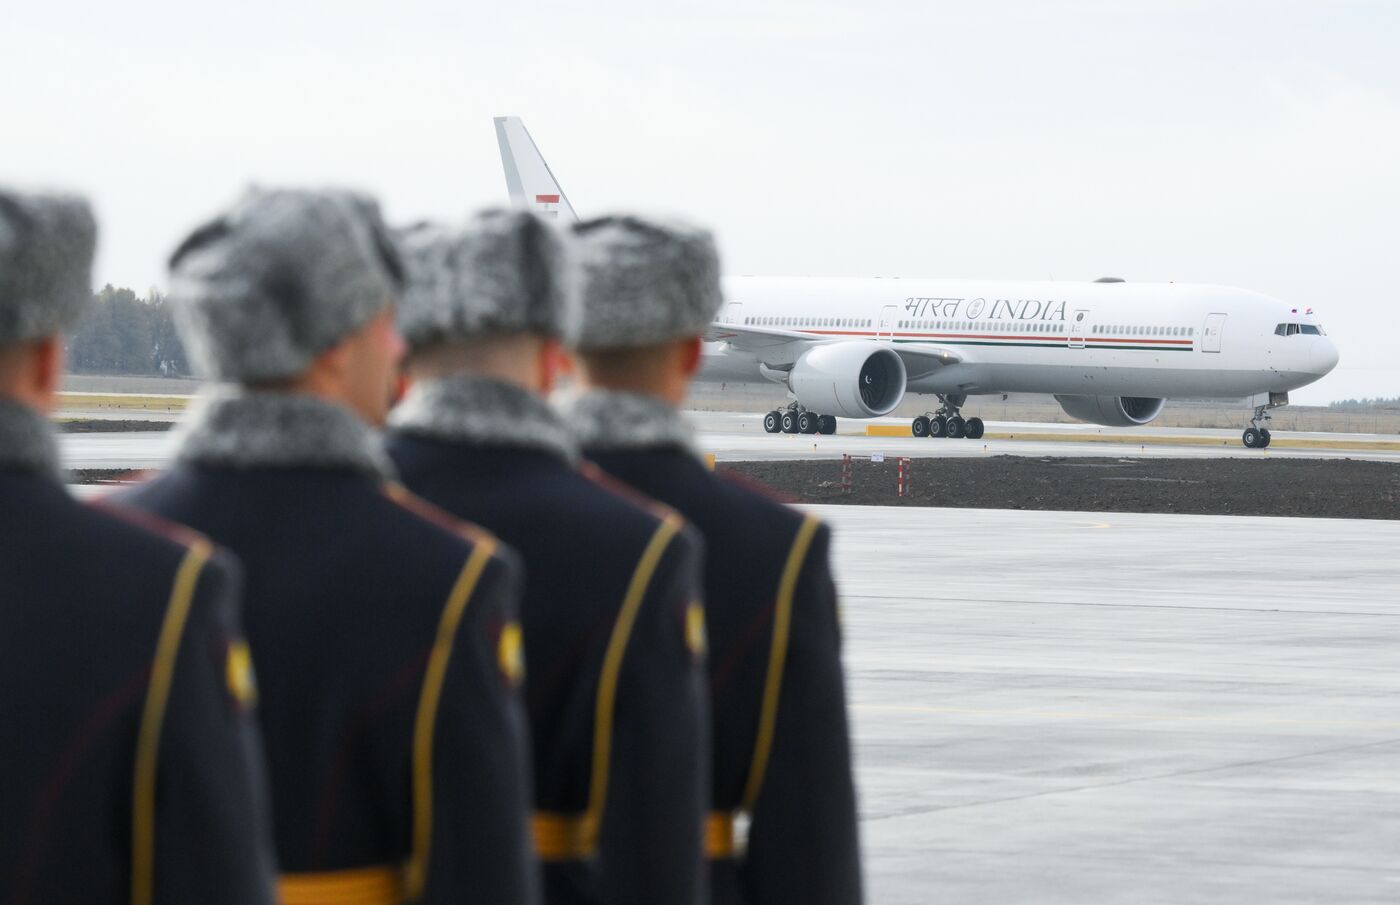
x: 608, y: 421
x: 480, y: 411
x: 27, y: 441
x: 247, y: 430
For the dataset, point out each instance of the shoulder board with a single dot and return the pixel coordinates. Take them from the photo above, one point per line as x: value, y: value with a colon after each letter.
x: 180, y: 534
x: 629, y: 493
x: 420, y: 507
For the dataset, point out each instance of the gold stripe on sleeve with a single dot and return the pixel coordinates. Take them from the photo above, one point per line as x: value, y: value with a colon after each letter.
x: 416, y: 871
x: 143, y: 812
x: 567, y: 837
x: 777, y: 657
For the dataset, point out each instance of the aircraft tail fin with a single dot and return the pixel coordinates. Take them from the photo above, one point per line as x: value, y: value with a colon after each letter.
x: 531, y: 183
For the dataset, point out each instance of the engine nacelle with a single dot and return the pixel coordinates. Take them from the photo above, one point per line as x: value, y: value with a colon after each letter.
x: 851, y: 379
x: 1112, y: 411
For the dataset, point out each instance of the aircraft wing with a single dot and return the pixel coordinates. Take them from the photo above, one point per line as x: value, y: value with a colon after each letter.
x: 756, y: 339
x: 775, y: 346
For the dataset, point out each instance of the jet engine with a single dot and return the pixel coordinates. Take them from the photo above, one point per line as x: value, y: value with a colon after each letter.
x: 1112, y: 411
x: 851, y: 379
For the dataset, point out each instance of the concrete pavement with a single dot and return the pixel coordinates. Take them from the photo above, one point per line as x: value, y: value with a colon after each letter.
x: 1065, y: 707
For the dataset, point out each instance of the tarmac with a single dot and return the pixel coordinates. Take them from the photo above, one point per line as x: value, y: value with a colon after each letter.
x: 1066, y: 707
x: 734, y: 436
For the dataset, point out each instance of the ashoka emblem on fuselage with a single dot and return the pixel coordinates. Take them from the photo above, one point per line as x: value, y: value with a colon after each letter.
x: 975, y: 308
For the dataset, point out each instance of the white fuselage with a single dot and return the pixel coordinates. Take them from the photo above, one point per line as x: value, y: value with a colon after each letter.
x: 1159, y: 340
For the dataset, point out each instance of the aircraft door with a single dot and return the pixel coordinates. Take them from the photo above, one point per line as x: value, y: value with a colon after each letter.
x: 1077, y: 328
x: 1210, y: 336
x: 888, y: 316
x: 733, y: 313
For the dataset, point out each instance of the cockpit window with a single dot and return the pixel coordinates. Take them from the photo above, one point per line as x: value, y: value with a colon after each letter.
x: 1295, y: 329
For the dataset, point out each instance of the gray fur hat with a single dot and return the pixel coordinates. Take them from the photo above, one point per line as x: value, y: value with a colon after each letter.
x: 501, y: 272
x: 46, y: 247
x: 644, y: 282
x: 280, y: 277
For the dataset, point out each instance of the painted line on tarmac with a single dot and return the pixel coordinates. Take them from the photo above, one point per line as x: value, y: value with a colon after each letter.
x: 891, y: 430
x: 1129, y: 717
x: 135, y: 401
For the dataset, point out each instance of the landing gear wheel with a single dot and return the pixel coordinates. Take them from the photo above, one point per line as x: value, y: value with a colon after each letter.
x: 826, y: 425
x: 938, y: 427
x: 1252, y: 439
x: 789, y: 424
x: 957, y: 427
x: 807, y: 423
x: 772, y: 422
x: 1266, y: 437
x: 975, y: 428
x: 920, y: 426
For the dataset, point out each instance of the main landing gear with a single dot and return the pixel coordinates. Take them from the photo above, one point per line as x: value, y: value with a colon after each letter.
x: 948, y: 422
x: 797, y: 420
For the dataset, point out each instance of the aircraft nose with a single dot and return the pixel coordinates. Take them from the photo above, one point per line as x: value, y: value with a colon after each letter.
x: 1324, y: 357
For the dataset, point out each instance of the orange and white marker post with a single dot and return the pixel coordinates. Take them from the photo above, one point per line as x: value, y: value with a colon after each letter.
x: 904, y: 477
x: 845, y: 473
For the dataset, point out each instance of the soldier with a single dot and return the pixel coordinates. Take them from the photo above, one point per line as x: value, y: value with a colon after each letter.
x: 781, y: 754
x: 614, y: 629
x: 133, y: 770
x: 384, y: 630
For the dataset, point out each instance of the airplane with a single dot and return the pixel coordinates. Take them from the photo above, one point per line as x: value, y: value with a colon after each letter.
x: 1109, y: 351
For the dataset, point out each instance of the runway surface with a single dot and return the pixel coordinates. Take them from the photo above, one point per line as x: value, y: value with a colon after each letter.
x: 1068, y: 707
x: 733, y: 436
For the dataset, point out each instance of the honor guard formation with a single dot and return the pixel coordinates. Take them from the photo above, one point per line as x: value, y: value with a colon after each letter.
x: 508, y: 640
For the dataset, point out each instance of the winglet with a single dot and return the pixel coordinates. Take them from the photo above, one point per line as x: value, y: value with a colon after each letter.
x: 528, y: 178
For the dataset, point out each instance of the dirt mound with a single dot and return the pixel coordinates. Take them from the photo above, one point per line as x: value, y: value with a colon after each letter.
x: 1321, y: 488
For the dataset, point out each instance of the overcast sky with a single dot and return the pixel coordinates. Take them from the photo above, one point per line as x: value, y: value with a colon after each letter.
x: 1250, y: 144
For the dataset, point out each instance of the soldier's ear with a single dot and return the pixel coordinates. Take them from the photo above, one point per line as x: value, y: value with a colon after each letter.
x: 32, y: 371
x: 690, y: 355
x: 48, y: 366
x: 554, y: 363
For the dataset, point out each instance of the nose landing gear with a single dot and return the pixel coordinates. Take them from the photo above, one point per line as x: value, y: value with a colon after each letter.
x: 947, y: 422
x: 1257, y: 435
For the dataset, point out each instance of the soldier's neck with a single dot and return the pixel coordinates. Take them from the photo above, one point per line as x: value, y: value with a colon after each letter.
x: 27, y: 441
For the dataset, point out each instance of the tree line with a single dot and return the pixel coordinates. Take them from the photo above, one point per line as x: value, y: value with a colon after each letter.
x: 1366, y: 405
x: 123, y: 333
